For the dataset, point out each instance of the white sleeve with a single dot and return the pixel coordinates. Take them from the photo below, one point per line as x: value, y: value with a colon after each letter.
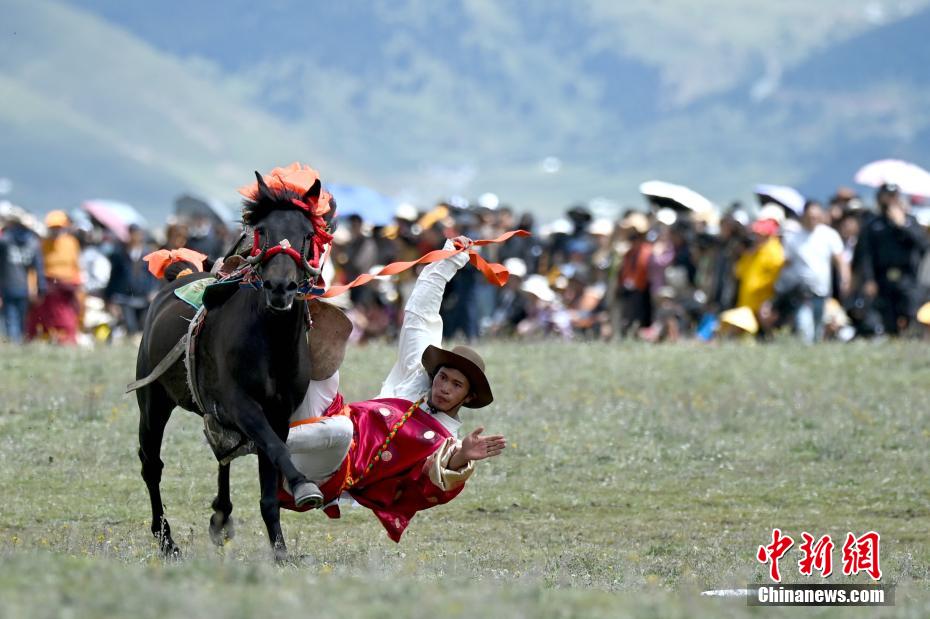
x: 422, y: 325
x: 836, y: 242
x: 320, y: 394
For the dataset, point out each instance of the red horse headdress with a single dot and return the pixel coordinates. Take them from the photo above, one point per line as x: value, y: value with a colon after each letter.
x: 297, y: 178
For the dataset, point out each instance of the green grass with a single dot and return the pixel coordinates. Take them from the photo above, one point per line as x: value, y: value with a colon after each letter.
x: 636, y: 477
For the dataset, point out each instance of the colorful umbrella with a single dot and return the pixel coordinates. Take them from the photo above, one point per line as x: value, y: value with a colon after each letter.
x: 114, y: 216
x: 911, y: 178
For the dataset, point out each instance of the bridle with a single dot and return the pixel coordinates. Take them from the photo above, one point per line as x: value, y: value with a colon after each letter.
x: 308, y: 260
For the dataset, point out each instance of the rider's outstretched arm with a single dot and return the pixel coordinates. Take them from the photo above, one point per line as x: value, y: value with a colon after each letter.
x: 422, y: 325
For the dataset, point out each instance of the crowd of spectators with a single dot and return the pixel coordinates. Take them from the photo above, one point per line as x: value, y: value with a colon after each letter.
x: 835, y: 271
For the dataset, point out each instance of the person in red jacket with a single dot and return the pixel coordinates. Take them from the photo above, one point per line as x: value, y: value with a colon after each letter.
x: 399, y: 453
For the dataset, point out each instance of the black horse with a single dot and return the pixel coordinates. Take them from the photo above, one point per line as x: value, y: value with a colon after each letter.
x: 254, y: 361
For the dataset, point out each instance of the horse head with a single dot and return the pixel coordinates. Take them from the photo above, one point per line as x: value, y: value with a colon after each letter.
x: 289, y: 232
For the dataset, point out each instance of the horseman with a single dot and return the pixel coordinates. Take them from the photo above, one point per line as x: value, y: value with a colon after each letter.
x: 399, y: 453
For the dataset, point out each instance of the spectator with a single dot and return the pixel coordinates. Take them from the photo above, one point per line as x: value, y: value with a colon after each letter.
x: 129, y: 290
x: 758, y: 267
x: 889, y: 252
x: 633, y: 295
x: 22, y: 278
x: 56, y: 314
x: 805, y: 280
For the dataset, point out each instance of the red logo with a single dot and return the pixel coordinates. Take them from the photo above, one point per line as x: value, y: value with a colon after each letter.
x: 861, y: 555
x: 774, y: 551
x: 817, y: 556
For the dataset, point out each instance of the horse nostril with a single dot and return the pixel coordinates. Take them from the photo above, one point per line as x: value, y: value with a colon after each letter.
x: 267, y: 285
x: 292, y: 286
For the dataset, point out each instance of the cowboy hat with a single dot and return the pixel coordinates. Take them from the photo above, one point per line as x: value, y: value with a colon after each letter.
x: 466, y: 361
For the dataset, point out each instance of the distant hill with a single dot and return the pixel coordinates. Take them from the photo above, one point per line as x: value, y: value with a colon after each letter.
x: 139, y: 101
x: 91, y: 111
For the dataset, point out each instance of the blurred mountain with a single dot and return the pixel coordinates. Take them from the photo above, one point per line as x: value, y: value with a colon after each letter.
x: 91, y: 111
x: 140, y: 101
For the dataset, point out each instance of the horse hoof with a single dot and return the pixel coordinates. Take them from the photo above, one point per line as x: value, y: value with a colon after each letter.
x: 280, y: 555
x: 169, y: 550
x: 307, y: 494
x: 221, y: 528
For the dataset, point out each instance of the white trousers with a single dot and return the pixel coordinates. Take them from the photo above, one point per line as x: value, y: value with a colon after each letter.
x: 318, y: 449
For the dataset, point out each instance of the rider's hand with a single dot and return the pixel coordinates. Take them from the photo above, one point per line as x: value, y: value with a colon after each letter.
x: 477, y: 447
x: 462, y: 242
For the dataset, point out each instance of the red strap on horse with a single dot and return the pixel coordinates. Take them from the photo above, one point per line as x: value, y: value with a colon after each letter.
x: 318, y: 241
x: 495, y: 273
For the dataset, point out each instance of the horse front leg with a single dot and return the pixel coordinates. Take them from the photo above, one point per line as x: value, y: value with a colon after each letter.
x: 254, y: 424
x: 270, y: 508
x: 221, y: 522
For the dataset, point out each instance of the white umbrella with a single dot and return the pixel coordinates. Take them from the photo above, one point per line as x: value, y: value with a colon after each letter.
x: 911, y: 178
x: 677, y: 197
x: 787, y: 197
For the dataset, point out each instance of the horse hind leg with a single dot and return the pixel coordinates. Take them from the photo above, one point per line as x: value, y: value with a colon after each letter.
x: 155, y: 409
x: 221, y: 522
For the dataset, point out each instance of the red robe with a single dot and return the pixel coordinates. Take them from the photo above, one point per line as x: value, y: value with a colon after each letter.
x: 397, y: 486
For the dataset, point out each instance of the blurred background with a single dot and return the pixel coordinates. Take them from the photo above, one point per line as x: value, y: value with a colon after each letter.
x: 480, y: 116
x: 542, y: 103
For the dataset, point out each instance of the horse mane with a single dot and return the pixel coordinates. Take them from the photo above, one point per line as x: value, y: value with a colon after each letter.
x: 276, y: 199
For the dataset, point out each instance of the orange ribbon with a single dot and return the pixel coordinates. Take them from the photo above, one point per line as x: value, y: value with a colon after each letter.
x: 493, y: 272
x: 161, y: 259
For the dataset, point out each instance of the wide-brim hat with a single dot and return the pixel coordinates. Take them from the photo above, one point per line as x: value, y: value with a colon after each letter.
x: 742, y: 318
x: 466, y: 361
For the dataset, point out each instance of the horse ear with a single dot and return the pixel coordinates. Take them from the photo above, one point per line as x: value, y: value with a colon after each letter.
x: 263, y: 190
x: 314, y: 192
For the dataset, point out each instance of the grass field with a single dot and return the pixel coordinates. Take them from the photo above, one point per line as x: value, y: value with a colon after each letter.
x: 635, y: 478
